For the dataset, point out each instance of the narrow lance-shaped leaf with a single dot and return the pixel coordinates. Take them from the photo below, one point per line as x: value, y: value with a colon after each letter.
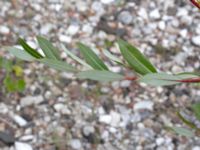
x: 58, y: 65
x: 135, y: 58
x: 49, y: 50
x: 75, y: 57
x: 196, y: 109
x: 29, y: 49
x: 91, y: 58
x: 183, y: 131
x: 186, y: 121
x: 100, y: 75
x: 21, y: 54
x: 162, y: 79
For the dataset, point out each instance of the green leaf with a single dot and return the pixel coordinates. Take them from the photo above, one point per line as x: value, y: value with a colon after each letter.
x: 100, y: 75
x: 9, y: 84
x: 20, y: 85
x: 186, y: 121
x: 58, y: 65
x: 29, y: 49
x: 196, y: 109
x: 163, y: 79
x: 135, y: 58
x: 21, y: 54
x: 49, y: 50
x: 183, y: 131
x: 112, y: 57
x: 75, y: 57
x: 91, y: 58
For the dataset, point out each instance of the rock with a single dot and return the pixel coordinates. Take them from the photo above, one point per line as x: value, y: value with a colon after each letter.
x: 7, y: 138
x: 81, y: 6
x: 115, y: 118
x: 73, y: 29
x: 196, y: 40
x: 196, y: 148
x: 125, y: 83
x: 62, y: 109
x: 31, y: 100
x: 20, y: 121
x: 160, y: 141
x: 105, y: 119
x: 107, y: 1
x: 143, y: 13
x: 155, y: 14
x: 125, y: 17
x: 76, y: 144
x: 161, y: 25
x: 183, y: 33
x: 22, y: 146
x: 87, y: 28
x: 3, y: 108
x: 65, y: 38
x: 4, y: 30
x: 45, y: 29
x: 27, y: 138
x: 87, y: 130
x: 98, y: 7
x: 143, y: 105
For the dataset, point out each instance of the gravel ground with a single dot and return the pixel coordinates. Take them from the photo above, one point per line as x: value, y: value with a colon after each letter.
x: 59, y: 112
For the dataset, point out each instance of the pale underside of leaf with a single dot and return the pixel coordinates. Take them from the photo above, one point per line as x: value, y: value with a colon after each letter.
x: 112, y: 57
x: 75, y: 57
x: 58, y: 65
x: 183, y: 131
x: 21, y: 54
x: 99, y: 75
x: 163, y: 79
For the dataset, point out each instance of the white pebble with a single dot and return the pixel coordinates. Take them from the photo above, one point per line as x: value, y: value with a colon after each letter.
x: 4, y: 30
x: 105, y: 119
x: 155, y: 14
x: 143, y: 105
x: 73, y: 29
x: 20, y: 121
x: 22, y: 146
x: 107, y: 1
x: 76, y: 144
x: 161, y: 25
x: 65, y: 39
x: 196, y: 40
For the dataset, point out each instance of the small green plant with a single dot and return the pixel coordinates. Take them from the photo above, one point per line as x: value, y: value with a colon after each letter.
x: 13, y: 76
x: 96, y: 69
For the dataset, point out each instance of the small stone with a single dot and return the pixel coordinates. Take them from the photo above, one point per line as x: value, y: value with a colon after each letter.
x: 27, y: 138
x: 65, y: 39
x: 20, y: 121
x: 87, y: 130
x: 125, y: 83
x: 76, y: 144
x: 45, y: 29
x: 73, y: 29
x: 143, y: 105
x: 125, y: 17
x: 155, y: 14
x: 105, y: 119
x: 161, y: 25
x: 30, y: 100
x: 22, y: 146
x: 196, y: 40
x: 107, y: 1
x: 62, y: 109
x: 196, y: 148
x: 98, y: 7
x: 160, y: 141
x: 7, y: 138
x: 87, y: 29
x: 115, y: 119
x: 4, y: 30
x: 183, y: 33
x: 143, y: 13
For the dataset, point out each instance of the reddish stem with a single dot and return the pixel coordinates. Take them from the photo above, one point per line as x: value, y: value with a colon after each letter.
x: 191, y: 80
x: 133, y: 78
x: 196, y: 3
